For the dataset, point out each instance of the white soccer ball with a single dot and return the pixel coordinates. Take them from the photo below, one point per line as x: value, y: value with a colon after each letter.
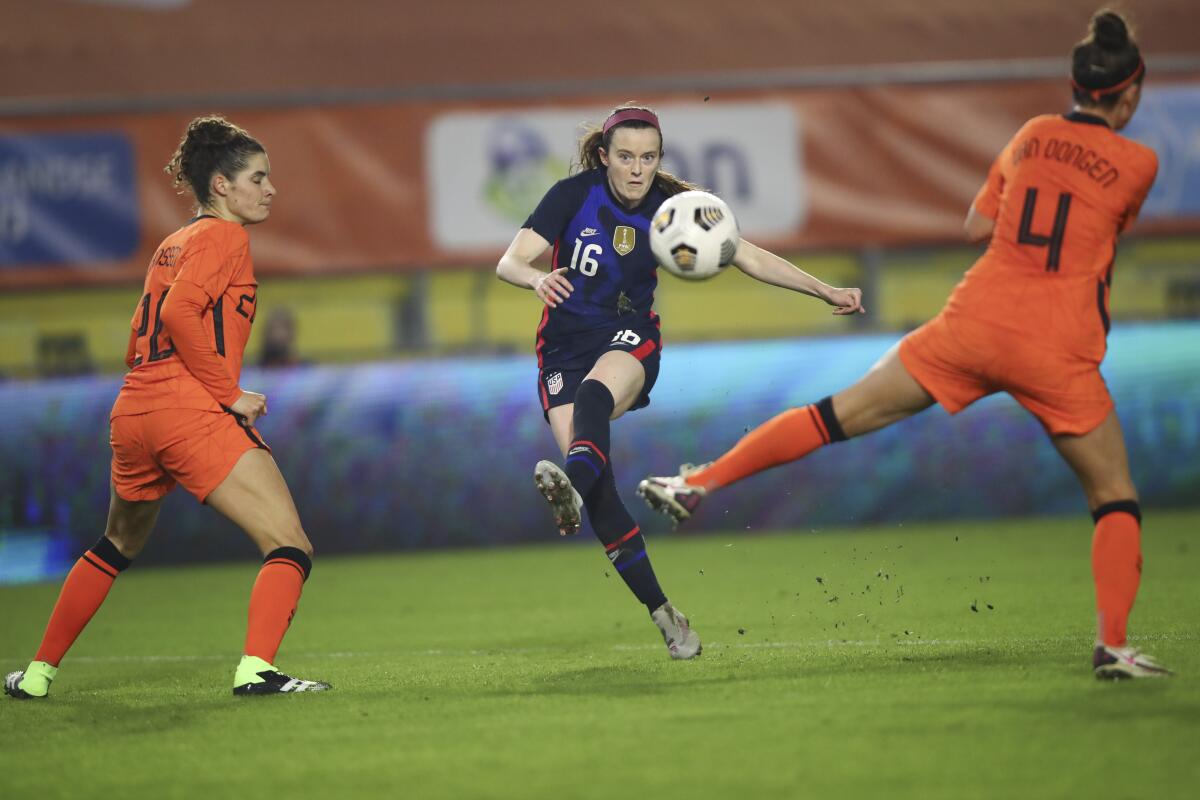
x: 694, y: 235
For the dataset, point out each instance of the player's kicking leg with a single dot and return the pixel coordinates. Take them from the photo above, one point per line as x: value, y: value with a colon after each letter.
x: 582, y: 433
x: 888, y: 393
x: 1100, y: 461
x: 256, y: 498
x: 84, y: 590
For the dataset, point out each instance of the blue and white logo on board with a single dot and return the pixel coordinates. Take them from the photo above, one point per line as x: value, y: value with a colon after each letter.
x: 67, y: 198
x: 486, y: 171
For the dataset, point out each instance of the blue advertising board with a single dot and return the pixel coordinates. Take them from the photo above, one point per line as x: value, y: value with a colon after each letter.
x: 67, y: 198
x: 426, y: 454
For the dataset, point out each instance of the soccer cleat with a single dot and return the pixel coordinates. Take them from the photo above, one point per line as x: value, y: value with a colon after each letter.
x: 32, y: 683
x: 682, y: 641
x: 564, y: 501
x: 255, y: 677
x: 673, y: 496
x: 1120, y: 663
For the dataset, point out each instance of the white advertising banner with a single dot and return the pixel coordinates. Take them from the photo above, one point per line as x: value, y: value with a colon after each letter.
x: 486, y: 171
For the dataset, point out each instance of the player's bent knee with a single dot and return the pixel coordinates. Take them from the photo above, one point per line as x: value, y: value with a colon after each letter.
x: 1111, y: 489
x: 296, y: 538
x: 128, y: 538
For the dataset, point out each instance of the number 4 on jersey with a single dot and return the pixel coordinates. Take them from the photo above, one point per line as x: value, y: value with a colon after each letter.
x: 1055, y: 240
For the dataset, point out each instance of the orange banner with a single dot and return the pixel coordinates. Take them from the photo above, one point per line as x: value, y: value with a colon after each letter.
x: 417, y: 185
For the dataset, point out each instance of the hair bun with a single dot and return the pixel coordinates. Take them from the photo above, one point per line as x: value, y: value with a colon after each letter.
x: 211, y: 131
x: 1109, y: 30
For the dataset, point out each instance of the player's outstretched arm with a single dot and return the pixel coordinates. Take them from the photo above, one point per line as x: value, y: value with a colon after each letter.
x: 516, y: 267
x: 765, y: 266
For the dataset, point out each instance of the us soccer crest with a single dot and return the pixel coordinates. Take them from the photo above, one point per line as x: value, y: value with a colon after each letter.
x: 624, y: 238
x: 554, y: 383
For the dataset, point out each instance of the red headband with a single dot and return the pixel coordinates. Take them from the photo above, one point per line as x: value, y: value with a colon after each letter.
x: 629, y: 115
x: 1096, y: 94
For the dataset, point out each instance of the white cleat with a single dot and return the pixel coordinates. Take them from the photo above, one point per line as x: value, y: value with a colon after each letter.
x: 682, y: 642
x: 673, y: 496
x: 564, y: 501
x: 1119, y: 663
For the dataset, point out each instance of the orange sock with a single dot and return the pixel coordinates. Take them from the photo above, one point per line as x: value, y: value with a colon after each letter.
x: 787, y: 437
x: 1116, y: 567
x: 273, y: 600
x: 83, y: 591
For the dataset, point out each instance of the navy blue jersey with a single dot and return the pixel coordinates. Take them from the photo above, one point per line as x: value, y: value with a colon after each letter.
x: 607, y: 248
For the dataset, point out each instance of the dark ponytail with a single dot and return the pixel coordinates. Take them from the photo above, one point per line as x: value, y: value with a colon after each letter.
x: 211, y: 144
x: 1106, y: 62
x: 594, y: 138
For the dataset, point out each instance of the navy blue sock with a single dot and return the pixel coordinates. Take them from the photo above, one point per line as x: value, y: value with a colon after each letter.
x: 622, y: 540
x: 587, y: 457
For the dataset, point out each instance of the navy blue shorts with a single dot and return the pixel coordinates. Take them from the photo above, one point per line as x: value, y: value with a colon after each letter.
x: 566, y: 364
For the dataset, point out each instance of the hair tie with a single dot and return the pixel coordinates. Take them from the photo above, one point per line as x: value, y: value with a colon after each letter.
x: 1096, y: 94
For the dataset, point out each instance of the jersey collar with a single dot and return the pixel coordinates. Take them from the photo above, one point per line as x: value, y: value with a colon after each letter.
x: 1087, y: 119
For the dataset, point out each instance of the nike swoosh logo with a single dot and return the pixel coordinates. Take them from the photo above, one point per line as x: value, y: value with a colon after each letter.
x: 588, y: 232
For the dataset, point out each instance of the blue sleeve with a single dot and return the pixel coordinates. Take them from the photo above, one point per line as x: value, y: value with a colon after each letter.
x: 560, y: 204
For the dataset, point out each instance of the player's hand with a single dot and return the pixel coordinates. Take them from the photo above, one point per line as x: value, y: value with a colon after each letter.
x: 844, y: 301
x: 553, y: 287
x: 250, y: 406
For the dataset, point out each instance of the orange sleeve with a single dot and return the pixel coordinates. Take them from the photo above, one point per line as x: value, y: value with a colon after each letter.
x: 1135, y: 205
x: 987, y: 200
x: 182, y: 316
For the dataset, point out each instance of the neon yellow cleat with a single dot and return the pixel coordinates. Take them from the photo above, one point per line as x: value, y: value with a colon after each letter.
x: 33, y: 683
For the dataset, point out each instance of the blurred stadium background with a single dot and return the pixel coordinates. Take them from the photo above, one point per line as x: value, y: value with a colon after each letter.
x: 409, y: 141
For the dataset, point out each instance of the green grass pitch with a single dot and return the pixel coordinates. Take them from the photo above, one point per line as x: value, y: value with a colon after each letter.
x: 947, y: 660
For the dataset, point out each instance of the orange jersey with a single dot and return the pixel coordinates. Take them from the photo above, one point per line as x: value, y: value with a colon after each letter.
x: 1060, y: 193
x: 190, y: 327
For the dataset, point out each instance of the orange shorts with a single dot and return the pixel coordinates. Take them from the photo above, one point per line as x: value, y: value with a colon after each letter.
x: 154, y: 451
x: 959, y: 361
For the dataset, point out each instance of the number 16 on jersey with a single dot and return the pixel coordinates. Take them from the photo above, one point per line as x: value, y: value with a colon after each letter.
x: 584, y: 262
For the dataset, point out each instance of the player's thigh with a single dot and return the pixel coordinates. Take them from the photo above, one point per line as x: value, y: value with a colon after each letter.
x: 130, y: 523
x: 888, y: 393
x: 624, y: 376
x: 256, y: 498
x: 1099, y: 459
x: 562, y: 425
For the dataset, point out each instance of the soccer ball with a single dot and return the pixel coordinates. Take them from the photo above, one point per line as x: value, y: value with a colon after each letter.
x: 694, y: 235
